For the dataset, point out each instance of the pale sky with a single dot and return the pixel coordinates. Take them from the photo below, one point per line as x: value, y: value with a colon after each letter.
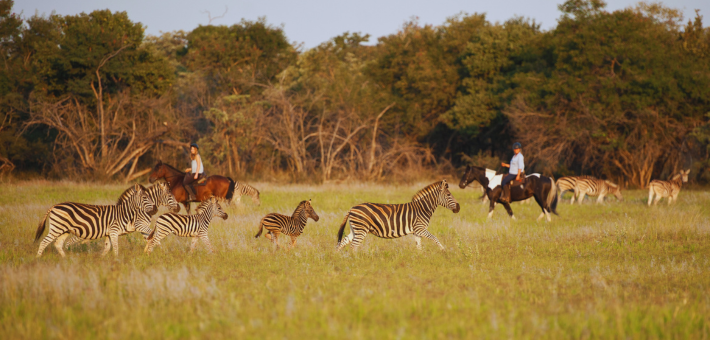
x: 312, y: 22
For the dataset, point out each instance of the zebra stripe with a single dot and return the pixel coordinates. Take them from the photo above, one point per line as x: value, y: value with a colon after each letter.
x: 293, y: 225
x: 669, y: 189
x: 158, y: 194
x: 397, y: 220
x: 243, y: 189
x: 596, y: 187
x: 92, y: 222
x: 195, y: 226
x: 569, y: 183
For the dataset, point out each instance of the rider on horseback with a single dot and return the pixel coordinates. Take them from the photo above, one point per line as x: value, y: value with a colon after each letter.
x: 517, y: 168
x: 194, y: 173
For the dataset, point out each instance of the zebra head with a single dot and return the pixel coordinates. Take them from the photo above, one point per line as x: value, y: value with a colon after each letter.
x: 137, y: 198
x: 614, y: 189
x: 211, y: 206
x: 256, y: 199
x: 166, y: 198
x: 447, y: 200
x: 310, y: 212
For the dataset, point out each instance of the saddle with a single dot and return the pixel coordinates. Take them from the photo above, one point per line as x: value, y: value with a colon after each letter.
x: 521, y: 182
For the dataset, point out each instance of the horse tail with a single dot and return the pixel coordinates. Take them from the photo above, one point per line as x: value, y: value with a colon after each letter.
x: 42, y: 225
x: 552, y: 196
x: 342, y: 227
x: 230, y: 190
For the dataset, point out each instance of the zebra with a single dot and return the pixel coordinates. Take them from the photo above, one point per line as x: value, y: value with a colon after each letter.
x: 569, y: 183
x: 596, y: 187
x: 669, y: 189
x: 293, y: 225
x: 160, y: 195
x: 397, y: 220
x: 91, y: 222
x: 194, y: 226
x: 241, y: 189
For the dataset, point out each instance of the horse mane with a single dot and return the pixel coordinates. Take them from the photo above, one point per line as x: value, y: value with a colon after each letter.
x: 426, y: 191
x: 173, y: 168
x: 128, y: 193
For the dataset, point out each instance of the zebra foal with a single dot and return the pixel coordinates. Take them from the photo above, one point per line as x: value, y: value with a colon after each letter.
x: 596, y: 187
x: 160, y: 195
x: 397, y: 220
x: 669, y: 189
x: 91, y: 222
x: 243, y: 189
x: 195, y: 226
x: 293, y: 225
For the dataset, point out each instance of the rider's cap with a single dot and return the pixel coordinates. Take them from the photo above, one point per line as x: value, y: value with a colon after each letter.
x: 517, y: 146
x: 195, y: 145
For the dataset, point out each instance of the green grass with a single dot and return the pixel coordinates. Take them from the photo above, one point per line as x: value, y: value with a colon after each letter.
x: 617, y: 270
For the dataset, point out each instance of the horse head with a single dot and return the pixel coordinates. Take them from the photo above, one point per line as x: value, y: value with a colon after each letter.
x: 473, y: 173
x: 157, y: 172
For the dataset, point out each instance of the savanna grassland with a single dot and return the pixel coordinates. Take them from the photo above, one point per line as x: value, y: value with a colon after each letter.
x: 617, y: 270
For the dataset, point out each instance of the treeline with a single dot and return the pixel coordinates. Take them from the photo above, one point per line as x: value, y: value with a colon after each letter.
x: 623, y: 95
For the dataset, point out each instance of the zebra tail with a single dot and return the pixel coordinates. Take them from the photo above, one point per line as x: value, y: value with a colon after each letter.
x: 552, y: 196
x: 261, y: 228
x: 230, y: 191
x: 42, y: 225
x: 342, y: 227
x: 152, y: 233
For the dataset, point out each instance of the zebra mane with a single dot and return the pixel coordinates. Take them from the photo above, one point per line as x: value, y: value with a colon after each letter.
x: 301, y: 206
x: 427, y: 191
x: 204, y: 204
x: 129, y: 193
x: 675, y: 177
x: 613, y: 185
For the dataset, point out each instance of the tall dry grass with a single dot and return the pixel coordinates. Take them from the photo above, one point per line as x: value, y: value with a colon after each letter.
x: 618, y: 270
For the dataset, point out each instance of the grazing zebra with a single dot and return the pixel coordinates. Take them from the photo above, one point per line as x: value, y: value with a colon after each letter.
x: 293, y: 225
x: 91, y: 222
x: 668, y: 189
x: 159, y: 194
x: 194, y: 226
x: 241, y: 189
x: 596, y: 187
x: 397, y: 220
x: 569, y: 183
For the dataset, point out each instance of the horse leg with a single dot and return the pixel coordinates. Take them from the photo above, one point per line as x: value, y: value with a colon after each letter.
x: 186, y: 204
x: 490, y: 208
x: 508, y: 209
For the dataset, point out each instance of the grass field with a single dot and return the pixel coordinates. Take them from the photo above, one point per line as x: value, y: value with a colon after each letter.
x: 617, y: 270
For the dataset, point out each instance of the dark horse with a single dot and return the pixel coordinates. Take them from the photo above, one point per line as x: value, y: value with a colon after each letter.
x: 542, y: 188
x: 215, y: 185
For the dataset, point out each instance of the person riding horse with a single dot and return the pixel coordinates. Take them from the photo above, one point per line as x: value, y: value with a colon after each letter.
x: 517, y: 170
x: 194, y: 173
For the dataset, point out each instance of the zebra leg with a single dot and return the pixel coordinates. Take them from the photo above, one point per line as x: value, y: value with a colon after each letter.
x: 59, y: 243
x: 114, y: 242
x: 275, y: 240
x: 600, y: 199
x: 293, y: 242
x: 206, y: 241
x: 107, y: 246
x: 358, y: 238
x: 421, y: 232
x: 193, y: 245
x: 658, y: 199
x: 347, y: 239
x: 418, y: 240
x: 51, y: 236
x: 268, y: 235
x: 650, y: 196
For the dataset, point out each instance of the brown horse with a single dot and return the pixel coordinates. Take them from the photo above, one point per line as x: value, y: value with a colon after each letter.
x: 215, y: 185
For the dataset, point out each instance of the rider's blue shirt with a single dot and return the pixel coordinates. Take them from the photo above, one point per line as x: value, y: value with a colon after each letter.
x: 518, y: 162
